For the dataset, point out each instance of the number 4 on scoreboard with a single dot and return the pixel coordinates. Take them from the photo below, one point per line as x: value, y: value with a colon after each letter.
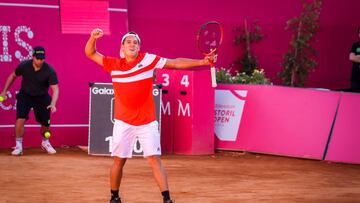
x: 185, y: 80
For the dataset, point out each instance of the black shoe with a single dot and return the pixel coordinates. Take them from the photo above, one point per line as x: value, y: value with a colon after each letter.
x: 168, y: 201
x: 116, y: 200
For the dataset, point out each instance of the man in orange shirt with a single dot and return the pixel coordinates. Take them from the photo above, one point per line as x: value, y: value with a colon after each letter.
x: 135, y: 117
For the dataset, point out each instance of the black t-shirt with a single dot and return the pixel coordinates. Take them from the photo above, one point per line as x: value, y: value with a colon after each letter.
x: 355, y: 74
x: 36, y: 83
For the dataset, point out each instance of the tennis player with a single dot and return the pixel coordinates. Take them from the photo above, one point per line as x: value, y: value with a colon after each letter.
x: 135, y: 117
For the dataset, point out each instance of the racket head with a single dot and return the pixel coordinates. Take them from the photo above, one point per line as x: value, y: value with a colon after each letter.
x: 209, y: 37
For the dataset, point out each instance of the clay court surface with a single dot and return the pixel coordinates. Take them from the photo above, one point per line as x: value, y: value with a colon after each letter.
x: 74, y: 176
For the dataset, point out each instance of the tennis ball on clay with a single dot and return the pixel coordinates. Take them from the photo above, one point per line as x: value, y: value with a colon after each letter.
x: 47, y: 135
x: 2, y: 98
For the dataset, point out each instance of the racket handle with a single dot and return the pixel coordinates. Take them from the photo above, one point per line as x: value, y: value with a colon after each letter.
x: 213, y: 76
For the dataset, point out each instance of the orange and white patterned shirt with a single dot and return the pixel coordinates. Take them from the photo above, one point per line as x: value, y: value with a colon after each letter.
x: 133, y: 84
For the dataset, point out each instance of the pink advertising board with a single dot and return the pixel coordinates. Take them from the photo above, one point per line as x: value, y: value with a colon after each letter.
x: 345, y: 140
x: 39, y: 23
x: 187, y: 108
x: 274, y: 120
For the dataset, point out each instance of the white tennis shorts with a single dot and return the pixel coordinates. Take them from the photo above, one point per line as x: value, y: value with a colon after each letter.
x: 125, y: 136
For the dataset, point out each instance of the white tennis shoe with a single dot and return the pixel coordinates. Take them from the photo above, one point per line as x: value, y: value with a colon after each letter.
x: 17, y: 151
x: 45, y: 145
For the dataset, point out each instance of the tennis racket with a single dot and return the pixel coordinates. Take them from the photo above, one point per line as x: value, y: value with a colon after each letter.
x: 209, y: 39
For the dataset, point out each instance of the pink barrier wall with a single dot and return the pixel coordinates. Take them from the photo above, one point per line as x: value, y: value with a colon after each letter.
x: 176, y: 23
x: 345, y: 139
x: 283, y: 121
x: 40, y: 25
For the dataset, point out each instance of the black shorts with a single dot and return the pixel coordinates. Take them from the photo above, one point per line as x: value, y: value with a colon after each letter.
x: 39, y: 103
x: 355, y: 86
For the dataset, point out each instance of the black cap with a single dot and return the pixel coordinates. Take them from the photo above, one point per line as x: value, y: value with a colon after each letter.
x: 39, y: 52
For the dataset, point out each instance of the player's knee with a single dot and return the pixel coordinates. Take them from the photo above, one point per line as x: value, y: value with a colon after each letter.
x: 153, y: 159
x: 119, y: 161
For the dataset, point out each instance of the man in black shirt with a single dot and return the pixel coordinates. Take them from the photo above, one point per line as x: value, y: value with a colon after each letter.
x: 355, y: 58
x: 37, y: 77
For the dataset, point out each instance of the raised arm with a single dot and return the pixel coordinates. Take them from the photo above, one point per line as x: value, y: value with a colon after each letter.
x: 90, y: 47
x: 189, y: 63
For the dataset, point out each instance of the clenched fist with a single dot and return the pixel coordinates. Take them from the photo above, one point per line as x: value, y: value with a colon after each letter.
x: 97, y: 33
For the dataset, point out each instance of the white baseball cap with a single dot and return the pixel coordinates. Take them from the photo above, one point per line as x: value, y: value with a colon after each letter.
x: 130, y: 34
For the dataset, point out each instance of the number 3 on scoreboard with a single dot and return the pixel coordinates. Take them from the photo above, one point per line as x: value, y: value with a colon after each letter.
x: 166, y: 81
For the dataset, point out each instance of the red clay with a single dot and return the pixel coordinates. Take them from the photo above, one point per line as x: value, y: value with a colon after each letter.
x: 226, y: 177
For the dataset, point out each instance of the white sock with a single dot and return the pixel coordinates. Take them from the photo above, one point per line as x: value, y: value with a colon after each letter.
x: 45, y: 140
x: 19, y: 142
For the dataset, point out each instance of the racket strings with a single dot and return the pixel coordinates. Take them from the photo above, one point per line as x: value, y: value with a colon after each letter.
x: 209, y: 38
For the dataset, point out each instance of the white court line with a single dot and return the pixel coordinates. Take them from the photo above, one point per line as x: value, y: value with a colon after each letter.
x: 52, y: 6
x: 53, y: 125
x: 29, y: 5
x: 118, y: 9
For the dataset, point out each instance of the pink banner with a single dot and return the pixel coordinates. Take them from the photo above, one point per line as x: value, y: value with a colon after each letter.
x: 275, y: 120
x: 345, y: 139
x: 81, y: 16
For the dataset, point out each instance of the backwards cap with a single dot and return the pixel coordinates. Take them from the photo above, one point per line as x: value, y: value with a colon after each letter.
x: 130, y: 34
